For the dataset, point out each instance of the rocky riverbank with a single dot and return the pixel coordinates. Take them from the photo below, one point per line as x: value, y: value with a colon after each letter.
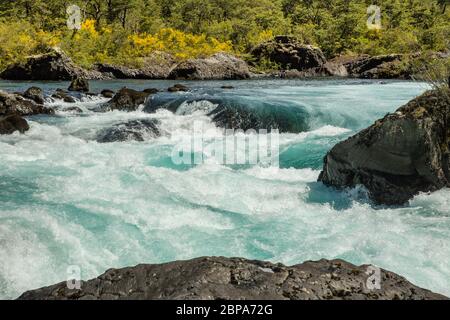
x: 212, y: 278
x: 290, y: 59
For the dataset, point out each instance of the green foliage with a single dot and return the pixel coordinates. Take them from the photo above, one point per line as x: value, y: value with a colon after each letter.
x: 336, y: 26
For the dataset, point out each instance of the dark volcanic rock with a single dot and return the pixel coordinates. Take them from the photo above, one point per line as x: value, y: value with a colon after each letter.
x: 54, y: 65
x: 288, y: 53
x: 218, y: 278
x: 73, y: 110
x: 59, y: 94
x: 11, y: 103
x: 107, y: 93
x: 79, y: 84
x: 221, y: 66
x: 157, y: 66
x: 284, y: 119
x: 137, y: 130
x: 69, y: 99
x: 404, y: 153
x: 151, y: 90
x: 36, y: 94
x: 11, y: 123
x: 376, y: 67
x: 127, y: 100
x: 178, y: 87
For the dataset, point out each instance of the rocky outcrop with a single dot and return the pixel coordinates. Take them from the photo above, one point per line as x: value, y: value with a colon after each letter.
x: 157, y: 66
x: 221, y: 66
x: 404, y: 153
x: 79, y: 84
x: 288, y: 53
x: 11, y: 103
x: 55, y: 65
x: 126, y: 100
x: 34, y: 93
x: 374, y: 67
x: 218, y: 278
x: 137, y: 130
x: 12, y: 123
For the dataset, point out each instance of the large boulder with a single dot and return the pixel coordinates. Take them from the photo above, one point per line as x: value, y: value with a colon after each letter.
x: 218, y: 278
x: 288, y: 53
x: 126, y: 100
x: 11, y: 103
x: 137, y: 130
x: 54, y: 65
x: 221, y: 66
x: 36, y: 94
x: 157, y: 66
x: 404, y: 153
x: 12, y: 123
x: 79, y: 84
x: 374, y: 67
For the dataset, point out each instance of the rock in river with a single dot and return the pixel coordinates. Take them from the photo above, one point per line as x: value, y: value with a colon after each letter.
x: 107, y: 93
x: 138, y: 130
x: 36, y: 94
x: 79, y: 84
x: 11, y: 123
x: 127, y: 100
x: 11, y: 103
x: 218, y: 278
x: 404, y: 153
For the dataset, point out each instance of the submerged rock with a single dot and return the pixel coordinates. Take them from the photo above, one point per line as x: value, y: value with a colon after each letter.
x: 79, y: 84
x: 11, y: 103
x: 69, y: 99
x: 54, y: 65
x: 288, y: 53
x: 12, y: 123
x: 151, y: 90
x: 137, y: 130
x: 59, y: 94
x: 127, y: 100
x: 107, y: 93
x: 284, y: 119
x: 178, y: 87
x: 221, y: 66
x: 73, y: 110
x: 218, y: 278
x: 404, y: 153
x: 36, y: 94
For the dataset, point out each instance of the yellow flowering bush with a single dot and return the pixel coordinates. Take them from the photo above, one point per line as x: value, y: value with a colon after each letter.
x: 181, y: 45
x: 21, y: 39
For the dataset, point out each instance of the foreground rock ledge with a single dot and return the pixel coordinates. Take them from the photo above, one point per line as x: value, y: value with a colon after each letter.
x: 399, y: 156
x: 211, y: 278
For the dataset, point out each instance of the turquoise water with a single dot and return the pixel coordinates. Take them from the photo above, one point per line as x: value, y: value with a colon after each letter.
x: 67, y: 200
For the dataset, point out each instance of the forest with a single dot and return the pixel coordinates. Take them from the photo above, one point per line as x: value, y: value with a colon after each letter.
x: 125, y: 31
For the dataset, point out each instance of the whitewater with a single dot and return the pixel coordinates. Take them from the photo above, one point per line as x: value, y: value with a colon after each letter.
x: 66, y: 199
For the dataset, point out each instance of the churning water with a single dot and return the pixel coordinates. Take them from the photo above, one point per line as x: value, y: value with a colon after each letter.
x: 66, y: 199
